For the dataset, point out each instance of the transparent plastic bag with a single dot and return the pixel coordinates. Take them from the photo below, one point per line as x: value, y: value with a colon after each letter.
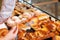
x: 7, y: 8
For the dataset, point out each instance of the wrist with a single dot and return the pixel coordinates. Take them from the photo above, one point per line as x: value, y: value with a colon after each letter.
x: 5, y: 38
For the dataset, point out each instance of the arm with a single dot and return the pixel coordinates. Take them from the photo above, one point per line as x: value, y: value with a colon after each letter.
x: 6, y: 9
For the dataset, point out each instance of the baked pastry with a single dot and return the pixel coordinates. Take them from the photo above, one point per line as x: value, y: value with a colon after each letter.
x: 3, y: 30
x: 57, y: 37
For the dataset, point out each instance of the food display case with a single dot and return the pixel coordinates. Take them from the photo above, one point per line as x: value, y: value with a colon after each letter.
x: 34, y: 23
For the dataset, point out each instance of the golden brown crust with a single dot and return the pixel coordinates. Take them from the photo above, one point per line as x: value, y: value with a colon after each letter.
x: 3, y: 32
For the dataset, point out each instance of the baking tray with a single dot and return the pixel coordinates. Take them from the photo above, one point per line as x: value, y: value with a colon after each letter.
x: 31, y: 5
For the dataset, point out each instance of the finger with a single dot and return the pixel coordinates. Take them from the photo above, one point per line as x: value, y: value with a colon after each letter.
x: 16, y: 32
x: 13, y: 29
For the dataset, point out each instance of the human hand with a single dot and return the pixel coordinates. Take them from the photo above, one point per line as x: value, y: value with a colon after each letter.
x: 12, y: 34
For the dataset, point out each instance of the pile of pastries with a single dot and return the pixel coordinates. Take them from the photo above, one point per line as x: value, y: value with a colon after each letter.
x: 33, y: 24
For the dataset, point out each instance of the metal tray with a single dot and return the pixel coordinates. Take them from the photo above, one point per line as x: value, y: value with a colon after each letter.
x: 25, y: 2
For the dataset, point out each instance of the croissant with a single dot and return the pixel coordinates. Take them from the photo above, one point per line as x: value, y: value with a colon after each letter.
x: 3, y: 30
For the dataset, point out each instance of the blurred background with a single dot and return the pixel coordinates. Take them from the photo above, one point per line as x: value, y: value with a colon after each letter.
x: 50, y: 6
